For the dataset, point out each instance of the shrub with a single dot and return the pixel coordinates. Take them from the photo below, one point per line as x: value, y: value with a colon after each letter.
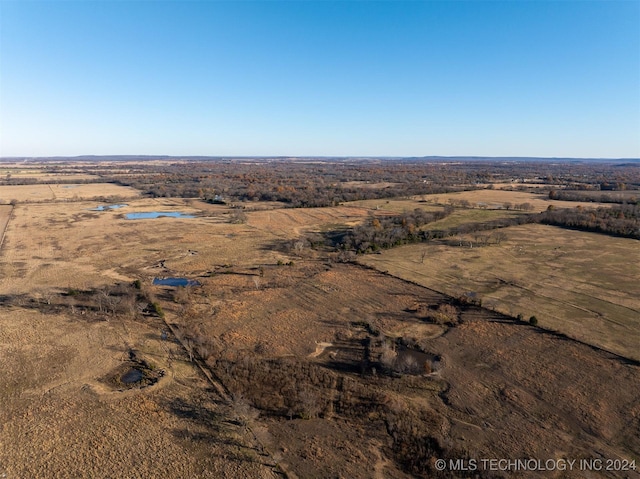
x: 533, y: 321
x: 156, y: 309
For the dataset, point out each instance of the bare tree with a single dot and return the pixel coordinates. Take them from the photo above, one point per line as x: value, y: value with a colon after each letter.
x: 308, y: 402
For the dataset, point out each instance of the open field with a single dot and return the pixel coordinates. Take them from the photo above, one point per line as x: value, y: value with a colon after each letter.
x: 76, y: 247
x: 506, y: 382
x: 53, y: 192
x: 282, y: 361
x: 492, y: 199
x: 470, y: 215
x: 59, y: 419
x: 44, y: 176
x: 489, y: 199
x: 582, y: 284
x: 393, y: 205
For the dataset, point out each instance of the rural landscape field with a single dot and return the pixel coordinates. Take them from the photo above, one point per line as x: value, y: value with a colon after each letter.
x: 317, y: 318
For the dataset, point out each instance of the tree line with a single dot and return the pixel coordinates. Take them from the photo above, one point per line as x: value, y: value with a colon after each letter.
x: 377, y: 233
x: 594, y: 196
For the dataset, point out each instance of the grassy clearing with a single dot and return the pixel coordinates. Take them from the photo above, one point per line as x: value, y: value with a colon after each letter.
x: 61, y: 192
x: 582, y: 284
x: 463, y: 216
x: 496, y: 198
x: 44, y: 176
x: 394, y: 205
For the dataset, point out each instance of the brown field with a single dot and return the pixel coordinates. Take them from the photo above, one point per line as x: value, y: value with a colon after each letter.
x: 493, y: 368
x: 503, y: 389
x: 485, y: 199
x: 470, y: 215
x: 582, y: 284
x: 57, y: 192
x: 44, y: 176
x: 5, y: 214
x: 393, y: 205
x: 493, y: 199
x: 60, y: 420
x: 76, y: 247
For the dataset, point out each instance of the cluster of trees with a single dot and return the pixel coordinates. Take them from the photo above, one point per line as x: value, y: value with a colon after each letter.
x: 119, y: 300
x: 592, y: 196
x: 385, y: 232
x: 622, y: 220
x: 289, y: 388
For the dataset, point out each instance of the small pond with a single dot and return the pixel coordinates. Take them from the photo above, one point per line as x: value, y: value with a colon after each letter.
x: 107, y: 207
x: 175, y: 282
x: 156, y: 214
x: 134, y: 375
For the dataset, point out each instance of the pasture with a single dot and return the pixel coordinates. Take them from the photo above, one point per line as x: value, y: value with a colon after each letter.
x: 497, y: 199
x: 582, y: 284
x: 63, y: 192
x: 301, y: 328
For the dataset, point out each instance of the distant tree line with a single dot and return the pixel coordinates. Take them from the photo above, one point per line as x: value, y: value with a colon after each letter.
x: 329, y: 182
x: 593, y: 196
x: 295, y: 184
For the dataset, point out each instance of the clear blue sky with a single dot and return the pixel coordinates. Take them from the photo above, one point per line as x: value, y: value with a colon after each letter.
x: 499, y: 78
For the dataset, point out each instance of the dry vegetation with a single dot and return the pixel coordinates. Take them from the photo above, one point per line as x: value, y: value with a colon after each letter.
x: 582, y: 284
x: 64, y: 192
x: 286, y: 361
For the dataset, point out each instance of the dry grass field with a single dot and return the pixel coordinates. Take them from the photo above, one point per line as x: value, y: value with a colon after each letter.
x: 582, y: 284
x: 5, y: 214
x: 62, y: 192
x: 496, y: 198
x: 44, y: 176
x: 60, y: 420
x: 489, y: 199
x: 512, y: 390
x: 502, y: 389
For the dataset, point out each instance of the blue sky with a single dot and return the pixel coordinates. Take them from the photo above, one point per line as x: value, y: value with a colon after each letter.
x: 392, y: 78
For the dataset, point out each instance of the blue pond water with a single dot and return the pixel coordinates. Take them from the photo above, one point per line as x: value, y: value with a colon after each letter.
x: 175, y: 282
x: 156, y: 214
x: 107, y: 207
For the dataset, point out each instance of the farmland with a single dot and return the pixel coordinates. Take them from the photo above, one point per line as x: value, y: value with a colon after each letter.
x: 575, y: 282
x: 63, y: 192
x: 288, y: 357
